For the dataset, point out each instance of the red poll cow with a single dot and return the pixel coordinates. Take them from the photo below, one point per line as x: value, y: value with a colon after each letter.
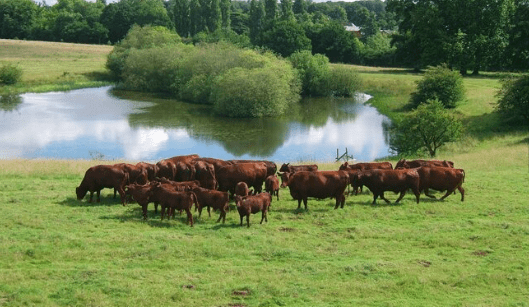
x: 217, y: 163
x: 151, y: 169
x: 271, y: 167
x: 287, y: 168
x: 99, y: 177
x: 205, y: 174
x: 441, y: 179
x: 212, y: 199
x: 185, y: 171
x: 378, y: 181
x: 173, y: 200
x: 142, y: 194
x: 319, y: 185
x: 241, y: 189
x: 403, y: 163
x: 253, y: 174
x: 253, y: 204
x: 272, y: 185
x: 366, y: 166
x: 166, y: 169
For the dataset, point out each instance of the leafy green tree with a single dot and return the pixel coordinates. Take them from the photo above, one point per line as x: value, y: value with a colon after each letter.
x: 196, y: 24
x: 299, y: 7
x: 513, y: 102
x: 226, y: 13
x: 286, y: 37
x: 331, y: 39
x: 439, y: 83
x: 314, y: 72
x: 378, y: 51
x: 426, y: 129
x: 10, y: 74
x: 286, y: 10
x: 16, y: 18
x: 518, y: 48
x: 180, y: 14
x: 257, y: 19
x: 240, y: 21
x: 214, y: 16
x: 270, y: 7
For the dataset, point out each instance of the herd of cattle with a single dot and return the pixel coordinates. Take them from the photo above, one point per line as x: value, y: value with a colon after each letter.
x: 179, y: 182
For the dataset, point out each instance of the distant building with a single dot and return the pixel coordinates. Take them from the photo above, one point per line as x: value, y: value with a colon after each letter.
x: 356, y: 31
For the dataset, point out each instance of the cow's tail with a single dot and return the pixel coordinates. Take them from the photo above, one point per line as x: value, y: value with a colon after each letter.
x: 463, y: 180
x: 195, y: 200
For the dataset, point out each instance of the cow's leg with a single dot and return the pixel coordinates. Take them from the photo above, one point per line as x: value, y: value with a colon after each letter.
x: 189, y: 216
x: 122, y: 196
x: 242, y: 216
x: 462, y: 191
x: 387, y: 201
x: 299, y: 203
x: 263, y: 217
x: 115, y: 192
x: 401, y: 196
x: 277, y: 193
x: 162, y: 211
x: 199, y: 211
x: 342, y: 198
x: 375, y: 196
x: 144, y: 209
x: 305, y: 203
x: 155, y: 207
x: 427, y: 193
x: 99, y: 196
x: 91, y: 196
x: 248, y: 219
x: 221, y: 214
x: 417, y: 195
x: 209, y: 211
x: 447, y: 193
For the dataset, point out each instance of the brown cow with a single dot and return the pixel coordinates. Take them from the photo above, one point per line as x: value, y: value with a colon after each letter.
x: 173, y: 200
x: 217, y: 163
x: 287, y: 168
x: 253, y: 174
x: 272, y: 185
x: 137, y: 174
x: 284, y: 178
x: 318, y: 185
x: 241, y: 189
x: 418, y: 163
x: 183, y: 186
x: 99, y: 177
x: 271, y: 167
x: 205, y: 173
x: 366, y: 166
x: 185, y: 171
x: 186, y: 158
x: 441, y: 179
x: 166, y: 169
x: 253, y: 204
x: 212, y: 199
x: 142, y: 194
x: 378, y: 181
x: 151, y: 169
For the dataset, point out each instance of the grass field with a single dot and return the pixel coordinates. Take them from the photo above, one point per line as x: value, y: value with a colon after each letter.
x: 58, y: 251
x: 50, y: 66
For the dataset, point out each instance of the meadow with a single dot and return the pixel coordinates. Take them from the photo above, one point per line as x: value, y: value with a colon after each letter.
x: 58, y: 251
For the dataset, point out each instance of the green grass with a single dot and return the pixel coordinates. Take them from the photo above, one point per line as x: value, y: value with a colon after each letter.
x: 50, y: 66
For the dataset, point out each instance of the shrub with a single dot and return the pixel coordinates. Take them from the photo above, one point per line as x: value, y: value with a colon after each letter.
x: 425, y: 129
x: 513, y: 102
x: 258, y: 92
x: 10, y: 74
x: 344, y: 81
x: 314, y: 72
x: 139, y: 38
x: 439, y: 83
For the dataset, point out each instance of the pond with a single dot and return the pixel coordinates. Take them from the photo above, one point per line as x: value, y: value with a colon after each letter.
x: 110, y: 124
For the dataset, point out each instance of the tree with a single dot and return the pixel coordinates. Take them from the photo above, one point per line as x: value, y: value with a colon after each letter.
x: 299, y: 7
x: 286, y: 10
x: 518, y: 49
x: 196, y: 23
x: 16, y: 18
x: 257, y: 15
x: 513, y: 102
x: 286, y: 37
x: 213, y: 15
x: 439, y: 83
x: 226, y: 13
x: 331, y: 39
x: 270, y: 11
x: 180, y: 13
x: 426, y: 129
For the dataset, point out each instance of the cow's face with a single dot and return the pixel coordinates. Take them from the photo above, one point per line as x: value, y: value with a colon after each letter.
x: 284, y: 179
x: 80, y: 193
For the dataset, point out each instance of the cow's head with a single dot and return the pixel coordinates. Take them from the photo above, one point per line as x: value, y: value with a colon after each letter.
x: 344, y: 166
x: 284, y: 179
x: 80, y: 192
x: 401, y: 163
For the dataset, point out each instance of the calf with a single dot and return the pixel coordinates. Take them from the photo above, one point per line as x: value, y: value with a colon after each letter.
x: 378, y: 181
x: 272, y: 185
x: 441, y: 179
x: 142, y: 194
x: 318, y: 185
x: 175, y: 186
x: 241, y: 189
x: 253, y: 204
x: 212, y: 199
x: 166, y: 169
x: 173, y: 200
x: 99, y: 177
x: 253, y: 174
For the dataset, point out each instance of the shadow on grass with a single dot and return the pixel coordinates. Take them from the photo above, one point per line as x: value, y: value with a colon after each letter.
x: 105, y: 201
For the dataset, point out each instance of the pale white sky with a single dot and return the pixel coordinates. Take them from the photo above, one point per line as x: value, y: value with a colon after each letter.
x: 52, y: 2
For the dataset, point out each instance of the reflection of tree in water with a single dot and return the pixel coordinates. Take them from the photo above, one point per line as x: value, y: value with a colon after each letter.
x: 10, y: 102
x: 259, y: 137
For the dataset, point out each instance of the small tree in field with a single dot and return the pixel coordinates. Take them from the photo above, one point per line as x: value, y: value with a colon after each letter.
x: 425, y: 129
x: 439, y: 83
x: 513, y: 102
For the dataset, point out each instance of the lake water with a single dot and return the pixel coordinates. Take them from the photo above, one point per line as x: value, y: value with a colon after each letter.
x: 109, y: 124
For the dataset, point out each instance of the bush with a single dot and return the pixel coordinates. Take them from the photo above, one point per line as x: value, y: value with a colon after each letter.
x: 314, y: 72
x: 426, y: 129
x: 139, y: 38
x: 513, y: 102
x: 259, y: 92
x: 344, y: 81
x: 439, y: 83
x: 10, y: 74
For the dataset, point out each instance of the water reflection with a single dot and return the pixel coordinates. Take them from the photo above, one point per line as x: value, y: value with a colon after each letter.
x: 10, y: 102
x: 112, y: 124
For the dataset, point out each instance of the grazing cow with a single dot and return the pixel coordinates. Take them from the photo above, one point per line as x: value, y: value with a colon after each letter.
x: 318, y: 185
x: 99, y: 177
x: 253, y: 204
x: 378, y: 181
x: 241, y: 189
x: 212, y: 199
x: 142, y: 194
x: 253, y: 174
x: 272, y: 185
x: 166, y: 169
x: 441, y: 179
x: 137, y: 174
x: 271, y: 167
x: 366, y: 166
x: 185, y: 171
x: 287, y: 168
x: 205, y: 174
x: 418, y: 163
x: 151, y: 169
x: 217, y: 163
x: 173, y: 200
